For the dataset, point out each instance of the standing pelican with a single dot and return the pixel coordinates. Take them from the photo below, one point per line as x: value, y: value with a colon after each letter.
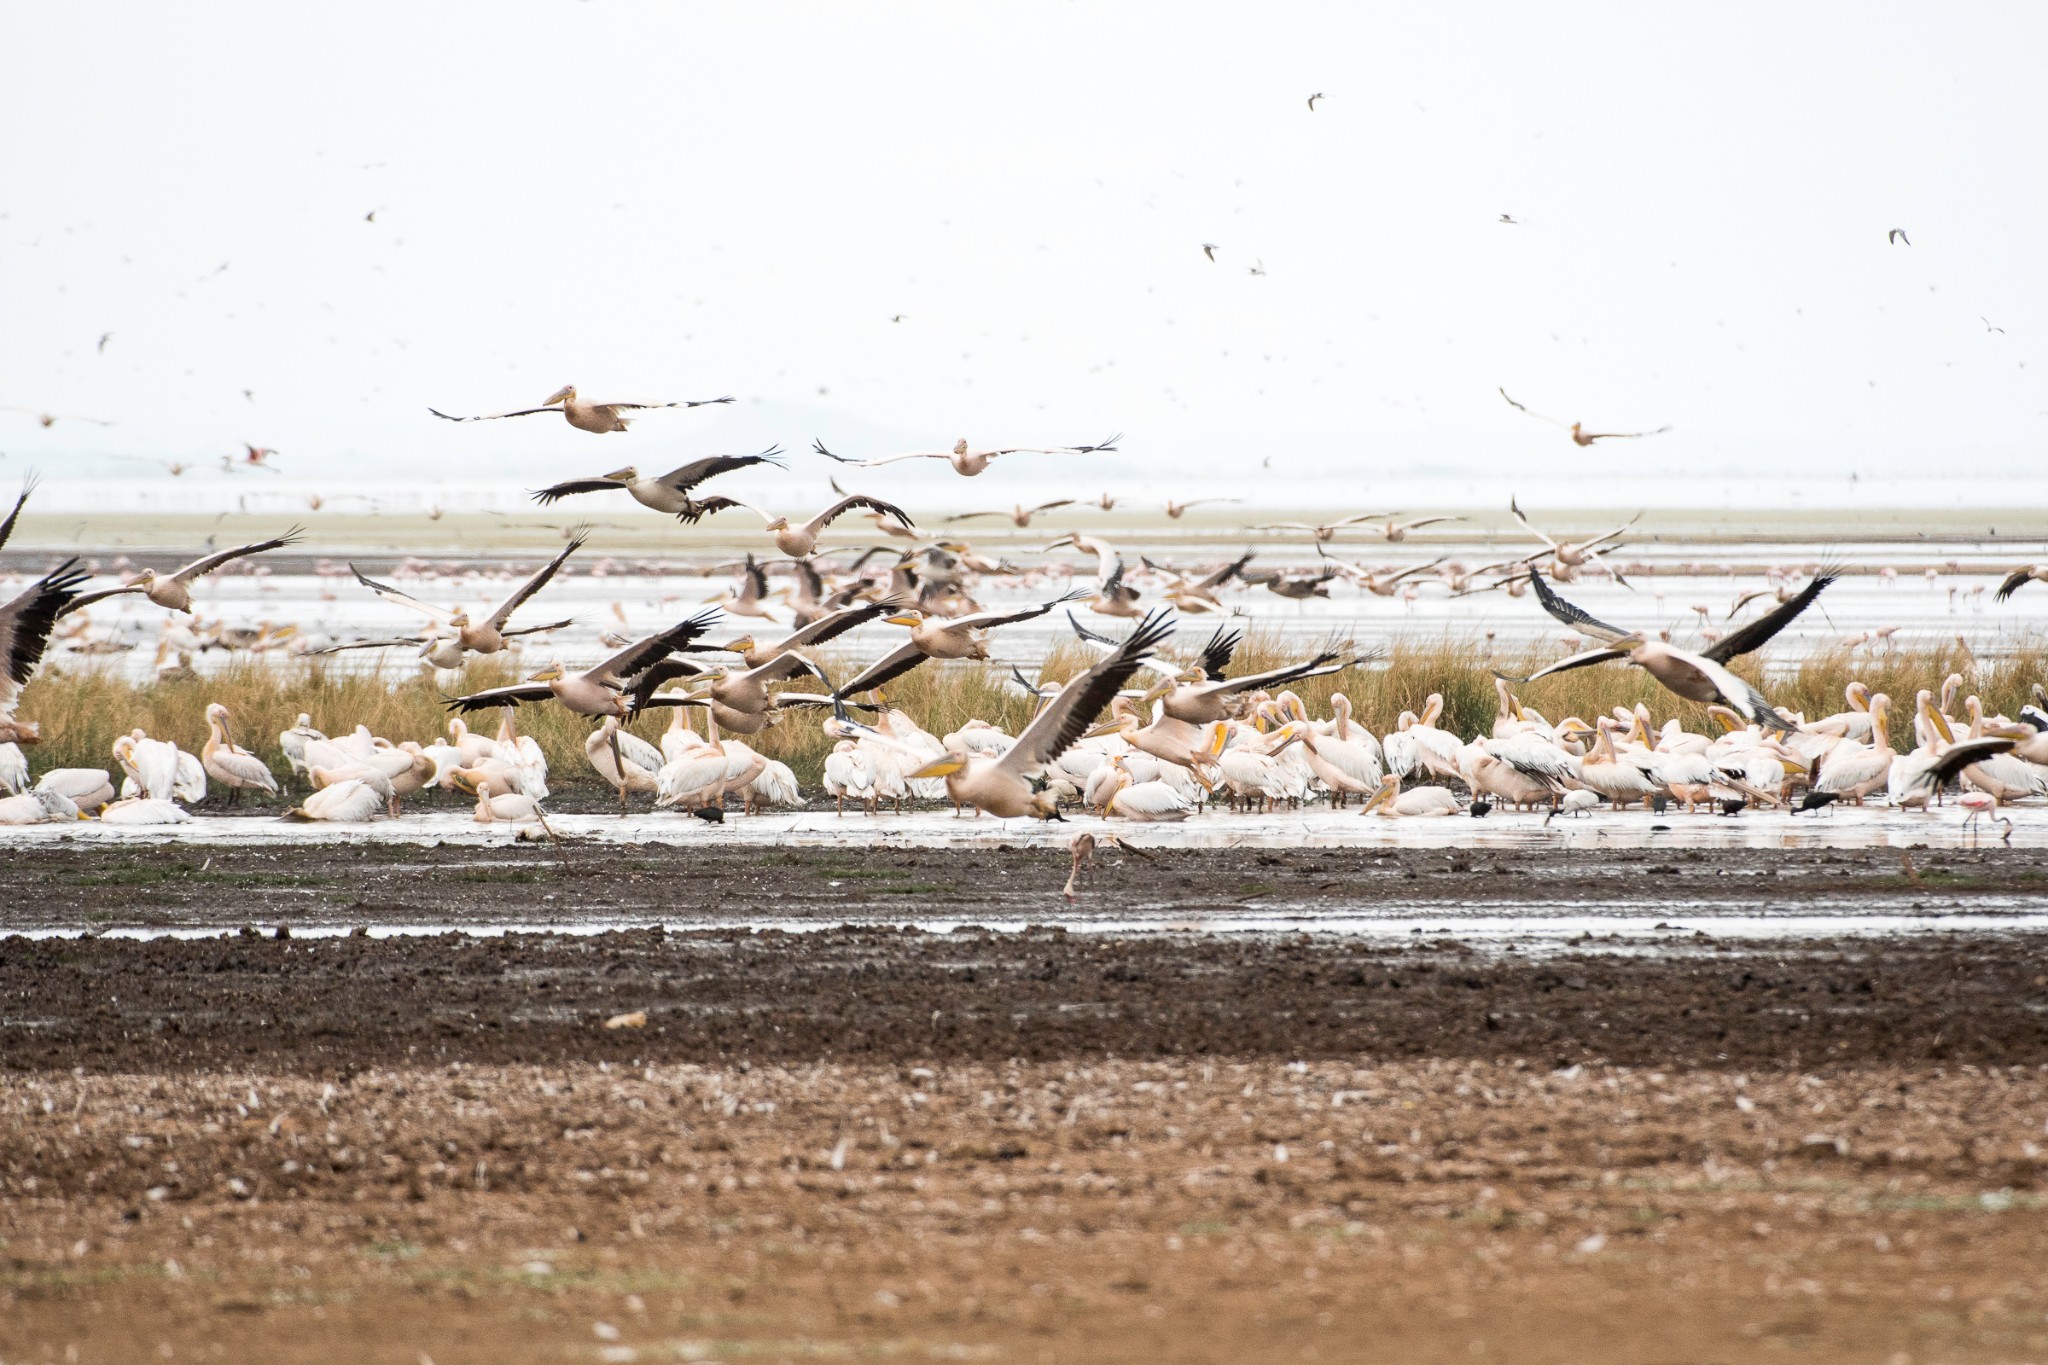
x: 799, y: 539
x: 1002, y: 786
x: 1702, y: 677
x: 668, y: 493
x: 174, y: 592
x: 596, y: 417
x: 25, y: 625
x: 966, y: 461
x: 234, y: 768
x: 485, y: 637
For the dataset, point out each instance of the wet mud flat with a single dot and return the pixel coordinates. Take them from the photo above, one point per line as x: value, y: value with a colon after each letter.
x: 1032, y: 1145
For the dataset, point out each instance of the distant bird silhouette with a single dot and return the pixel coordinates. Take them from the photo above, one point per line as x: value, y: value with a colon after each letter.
x: 1259, y: 269
x: 1980, y: 317
x: 1209, y: 250
x: 1897, y: 235
x: 1508, y: 218
x: 1312, y: 101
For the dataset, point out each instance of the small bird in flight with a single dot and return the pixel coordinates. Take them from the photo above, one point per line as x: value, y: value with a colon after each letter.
x: 1259, y: 269
x: 898, y: 317
x: 1312, y: 101
x: 1507, y: 218
x: 1580, y: 436
x: 50, y: 419
x: 1987, y: 324
x: 1897, y: 235
x: 1209, y: 250
x: 105, y: 337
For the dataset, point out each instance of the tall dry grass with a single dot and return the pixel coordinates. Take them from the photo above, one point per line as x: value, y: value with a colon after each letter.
x: 82, y: 708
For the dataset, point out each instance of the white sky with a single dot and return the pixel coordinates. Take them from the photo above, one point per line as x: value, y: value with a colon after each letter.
x: 679, y: 201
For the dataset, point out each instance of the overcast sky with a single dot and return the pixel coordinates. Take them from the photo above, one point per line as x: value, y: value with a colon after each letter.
x: 660, y: 201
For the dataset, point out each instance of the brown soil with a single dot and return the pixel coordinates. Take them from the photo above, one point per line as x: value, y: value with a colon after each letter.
x: 1037, y: 1146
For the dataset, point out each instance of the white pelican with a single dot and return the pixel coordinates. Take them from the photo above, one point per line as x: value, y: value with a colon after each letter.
x: 775, y: 785
x: 87, y: 787
x: 487, y: 636
x: 966, y: 461
x: 515, y: 808
x: 1149, y: 802
x: 234, y: 768
x: 827, y: 627
x: 1002, y: 786
x: 1252, y: 766
x: 37, y: 807
x: 1198, y: 701
x: 28, y: 486
x: 849, y: 772
x: 1417, y: 742
x: 173, y: 592
x: 1917, y: 778
x: 623, y: 772
x: 25, y: 625
x: 669, y: 492
x: 1571, y: 554
x: 799, y: 540
x: 593, y: 417
x: 1621, y: 783
x: 350, y: 801
x: 1324, y: 532
x: 1169, y: 740
x: 1578, y: 803
x: 293, y: 743
x: 599, y: 691
x: 1020, y: 515
x: 1702, y: 677
x: 2000, y: 775
x: 1394, y: 804
x: 1580, y: 436
x: 144, y: 810
x: 1853, y: 770
x: 13, y: 768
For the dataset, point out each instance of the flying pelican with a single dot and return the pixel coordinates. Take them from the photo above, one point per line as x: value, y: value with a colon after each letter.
x: 486, y: 637
x: 670, y: 492
x: 2017, y: 579
x: 173, y: 592
x: 1702, y: 677
x: 1394, y: 804
x: 1177, y: 510
x: 937, y: 637
x: 28, y: 486
x: 50, y: 419
x: 599, y: 691
x: 1002, y: 786
x: 739, y: 701
x: 1571, y: 554
x: 1397, y: 531
x: 817, y: 632
x: 1020, y: 515
x: 1580, y: 436
x: 25, y: 625
x: 1327, y: 531
x: 1200, y: 594
x: 1198, y: 701
x: 799, y: 539
x: 597, y: 417
x: 234, y: 768
x: 965, y: 461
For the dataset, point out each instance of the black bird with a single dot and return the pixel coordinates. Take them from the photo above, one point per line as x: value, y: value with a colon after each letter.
x: 1818, y: 801
x: 713, y: 814
x: 1732, y: 807
x: 1481, y: 808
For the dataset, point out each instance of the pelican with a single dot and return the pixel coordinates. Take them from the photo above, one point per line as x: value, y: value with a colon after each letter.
x: 25, y: 625
x: 599, y: 691
x: 1176, y: 510
x: 2014, y: 581
x: 83, y: 786
x: 1580, y: 436
x: 294, y: 741
x: 1852, y: 769
x: 1919, y: 776
x: 594, y: 417
x: 966, y: 461
x: 28, y: 486
x: 1001, y: 786
x: 1020, y: 515
x: 1252, y: 766
x: 2001, y: 776
x: 1200, y: 594
x: 1609, y: 776
x: 1198, y: 701
x: 1169, y: 740
x: 1417, y: 742
x: 144, y: 810
x: 1150, y: 802
x: 234, y: 768
x: 350, y: 801
x: 173, y: 592
x: 13, y: 769
x: 799, y: 540
x: 849, y: 772
x: 1702, y: 677
x: 514, y: 808
x: 1394, y: 804
x: 37, y: 807
x: 488, y: 636
x: 739, y: 701
x: 669, y: 492
x: 1571, y: 554
x: 817, y: 632
x: 1326, y: 531
x: 934, y: 637
x: 622, y: 771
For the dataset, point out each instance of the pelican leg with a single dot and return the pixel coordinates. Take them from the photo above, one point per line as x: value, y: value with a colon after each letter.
x: 619, y: 767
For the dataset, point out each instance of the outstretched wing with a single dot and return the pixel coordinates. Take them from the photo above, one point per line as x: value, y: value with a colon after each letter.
x: 1067, y: 716
x: 1962, y: 755
x: 499, y: 696
x: 1591, y: 656
x: 555, y: 492
x: 1216, y: 654
x: 1759, y: 632
x: 1571, y: 615
x: 1621, y: 435
x: 988, y: 620
x: 1227, y: 572
x: 397, y: 597
x: 492, y: 416
x: 28, y: 486
x: 2014, y: 581
x: 697, y: 471
x: 25, y: 625
x: 642, y: 653
x: 199, y: 568
x: 819, y: 446
x: 838, y: 623
x: 534, y: 584
x: 643, y: 407
x: 363, y: 644
x: 1537, y: 415
x: 889, y: 667
x: 833, y: 513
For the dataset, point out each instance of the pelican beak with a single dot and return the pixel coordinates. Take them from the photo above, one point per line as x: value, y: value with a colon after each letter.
x: 941, y: 767
x: 904, y: 620
x: 1218, y: 738
x: 1107, y: 728
x: 626, y: 475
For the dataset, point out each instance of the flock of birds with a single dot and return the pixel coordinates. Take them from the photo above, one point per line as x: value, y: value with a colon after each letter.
x: 1183, y: 732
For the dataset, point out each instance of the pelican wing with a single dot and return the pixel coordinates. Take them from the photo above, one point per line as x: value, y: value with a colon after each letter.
x: 985, y: 620
x: 1216, y: 654
x: 1227, y: 572
x: 1067, y: 716
x: 498, y: 618
x: 1591, y: 656
x: 2014, y: 581
x: 645, y: 407
x: 837, y: 624
x: 398, y: 597
x: 1759, y: 632
x: 1049, y: 506
x: 819, y: 446
x: 199, y: 568
x: 641, y: 686
x: 787, y: 665
x: 1752, y: 705
x: 832, y: 513
x: 364, y: 644
x: 1962, y: 755
x: 492, y: 416
x: 1313, y: 668
x: 28, y: 486
x: 538, y: 630
x: 499, y: 696
x: 1516, y: 508
x: 25, y: 625
x: 555, y: 492
x: 1087, y: 636
x: 641, y: 653
x: 1537, y: 415
x: 1623, y: 435
x: 890, y: 666
x: 697, y: 471
x: 80, y: 601
x: 704, y: 508
x: 1571, y: 615
x: 970, y: 516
